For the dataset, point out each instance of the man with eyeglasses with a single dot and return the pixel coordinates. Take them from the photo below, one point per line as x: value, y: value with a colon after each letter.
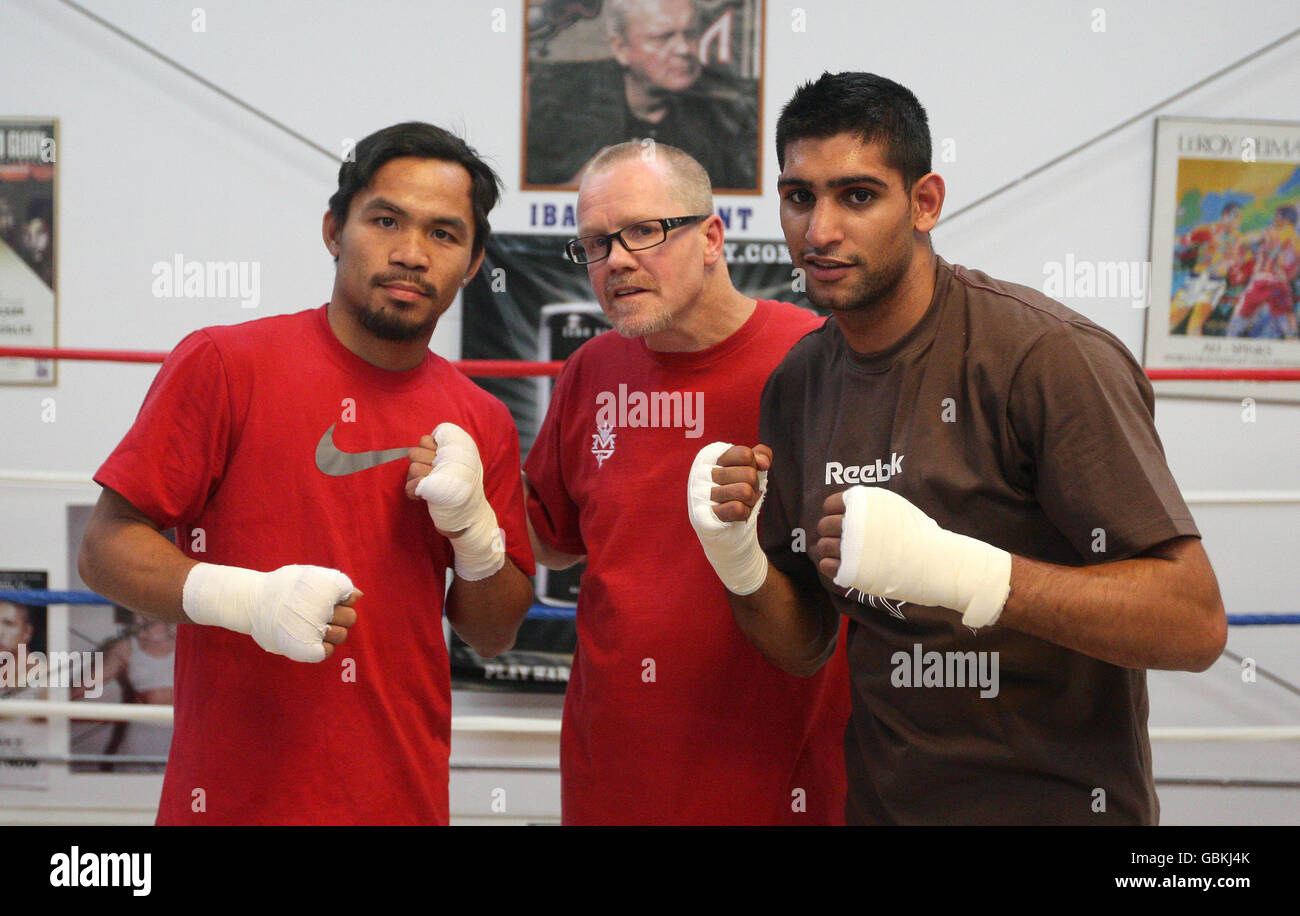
x: 671, y: 716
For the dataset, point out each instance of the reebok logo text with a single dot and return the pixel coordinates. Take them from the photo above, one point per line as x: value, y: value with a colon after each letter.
x: 865, y: 473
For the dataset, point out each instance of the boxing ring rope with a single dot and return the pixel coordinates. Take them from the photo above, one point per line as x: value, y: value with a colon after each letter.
x: 489, y: 368
x: 159, y: 714
x: 162, y: 715
x: 476, y: 368
x: 509, y: 368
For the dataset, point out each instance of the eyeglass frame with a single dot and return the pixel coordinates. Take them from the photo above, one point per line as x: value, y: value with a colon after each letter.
x: 666, y: 223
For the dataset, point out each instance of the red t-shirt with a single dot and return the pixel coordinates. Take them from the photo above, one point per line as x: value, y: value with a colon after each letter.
x: 247, y: 443
x: 671, y: 715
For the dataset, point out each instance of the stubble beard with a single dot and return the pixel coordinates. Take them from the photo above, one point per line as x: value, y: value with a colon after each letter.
x: 640, y: 323
x: 870, y: 292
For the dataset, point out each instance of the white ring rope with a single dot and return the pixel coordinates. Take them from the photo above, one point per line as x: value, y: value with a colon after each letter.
x: 156, y: 713
x: 23, y: 477
x: 141, y: 712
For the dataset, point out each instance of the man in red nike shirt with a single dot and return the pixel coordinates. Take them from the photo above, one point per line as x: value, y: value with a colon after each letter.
x: 280, y: 451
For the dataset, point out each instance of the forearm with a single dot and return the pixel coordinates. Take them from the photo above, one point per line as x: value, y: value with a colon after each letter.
x: 486, y: 613
x: 794, y: 629
x: 129, y: 562
x: 1160, y: 610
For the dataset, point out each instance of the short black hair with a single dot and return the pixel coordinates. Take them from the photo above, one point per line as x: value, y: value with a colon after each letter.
x: 40, y: 208
x: 874, y: 108
x: 1230, y: 207
x: 423, y: 141
x: 1287, y: 213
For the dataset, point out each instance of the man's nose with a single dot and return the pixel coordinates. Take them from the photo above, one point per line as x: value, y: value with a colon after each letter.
x: 823, y: 229
x: 410, y: 251
x: 619, y: 257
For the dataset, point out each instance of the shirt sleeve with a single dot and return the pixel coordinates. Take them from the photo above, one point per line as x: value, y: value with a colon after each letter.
x: 174, y: 456
x: 1083, y: 413
x: 505, y: 493
x: 551, y: 509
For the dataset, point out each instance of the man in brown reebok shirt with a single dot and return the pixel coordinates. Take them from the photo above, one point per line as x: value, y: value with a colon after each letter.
x: 976, y: 474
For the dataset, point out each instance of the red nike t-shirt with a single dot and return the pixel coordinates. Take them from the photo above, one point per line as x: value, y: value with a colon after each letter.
x: 671, y: 715
x: 270, y: 443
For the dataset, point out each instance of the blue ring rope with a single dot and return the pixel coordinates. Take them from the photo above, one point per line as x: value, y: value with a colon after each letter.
x: 41, y: 596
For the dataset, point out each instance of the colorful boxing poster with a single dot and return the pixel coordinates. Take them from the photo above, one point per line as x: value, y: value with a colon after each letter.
x: 24, y: 675
x: 1225, y: 253
x: 28, y: 160
x: 683, y: 72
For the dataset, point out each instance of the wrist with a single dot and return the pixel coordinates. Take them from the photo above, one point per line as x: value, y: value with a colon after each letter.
x: 479, y: 548
x: 221, y: 596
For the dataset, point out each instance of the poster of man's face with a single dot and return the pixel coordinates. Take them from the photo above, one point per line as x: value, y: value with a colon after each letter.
x: 681, y: 72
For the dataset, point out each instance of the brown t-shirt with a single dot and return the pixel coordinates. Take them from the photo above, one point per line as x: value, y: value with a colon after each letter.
x: 1007, y: 417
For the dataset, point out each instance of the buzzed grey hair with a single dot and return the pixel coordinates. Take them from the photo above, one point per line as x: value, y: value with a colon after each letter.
x: 617, y: 13
x: 689, y: 182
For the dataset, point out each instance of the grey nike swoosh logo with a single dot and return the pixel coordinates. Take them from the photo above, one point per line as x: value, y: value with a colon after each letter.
x: 335, y: 463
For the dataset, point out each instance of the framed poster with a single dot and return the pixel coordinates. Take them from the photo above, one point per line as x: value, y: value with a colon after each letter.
x: 683, y: 72
x: 1225, y: 253
x: 24, y: 675
x: 134, y: 657
x: 27, y: 245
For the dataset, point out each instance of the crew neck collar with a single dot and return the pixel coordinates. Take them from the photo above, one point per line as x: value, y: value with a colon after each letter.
x: 693, y: 359
x: 395, y: 380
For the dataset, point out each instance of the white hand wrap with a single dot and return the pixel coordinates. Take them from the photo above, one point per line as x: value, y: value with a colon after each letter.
x: 732, y: 547
x: 454, y: 492
x: 286, y: 611
x: 892, y: 549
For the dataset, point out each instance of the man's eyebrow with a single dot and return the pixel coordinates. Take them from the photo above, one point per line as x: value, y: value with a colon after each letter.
x: 843, y: 182
x: 858, y: 179
x: 644, y: 219
x: 383, y: 203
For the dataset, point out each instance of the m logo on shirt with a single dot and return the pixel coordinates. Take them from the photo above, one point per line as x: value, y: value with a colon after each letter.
x: 602, y: 445
x: 865, y: 473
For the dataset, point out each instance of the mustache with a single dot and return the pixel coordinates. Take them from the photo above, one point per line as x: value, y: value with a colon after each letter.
x: 613, y: 288
x: 827, y: 253
x: 423, y: 285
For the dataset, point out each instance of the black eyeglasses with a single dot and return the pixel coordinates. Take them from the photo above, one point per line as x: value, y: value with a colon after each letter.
x: 637, y: 237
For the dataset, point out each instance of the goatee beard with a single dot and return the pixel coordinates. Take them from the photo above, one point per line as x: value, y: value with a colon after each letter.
x: 387, y: 326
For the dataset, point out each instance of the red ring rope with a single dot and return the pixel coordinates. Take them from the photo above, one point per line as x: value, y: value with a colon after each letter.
x: 479, y: 368
x: 509, y: 368
x: 1224, y: 375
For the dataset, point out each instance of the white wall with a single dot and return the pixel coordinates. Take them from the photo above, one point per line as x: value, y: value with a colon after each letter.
x: 151, y: 164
